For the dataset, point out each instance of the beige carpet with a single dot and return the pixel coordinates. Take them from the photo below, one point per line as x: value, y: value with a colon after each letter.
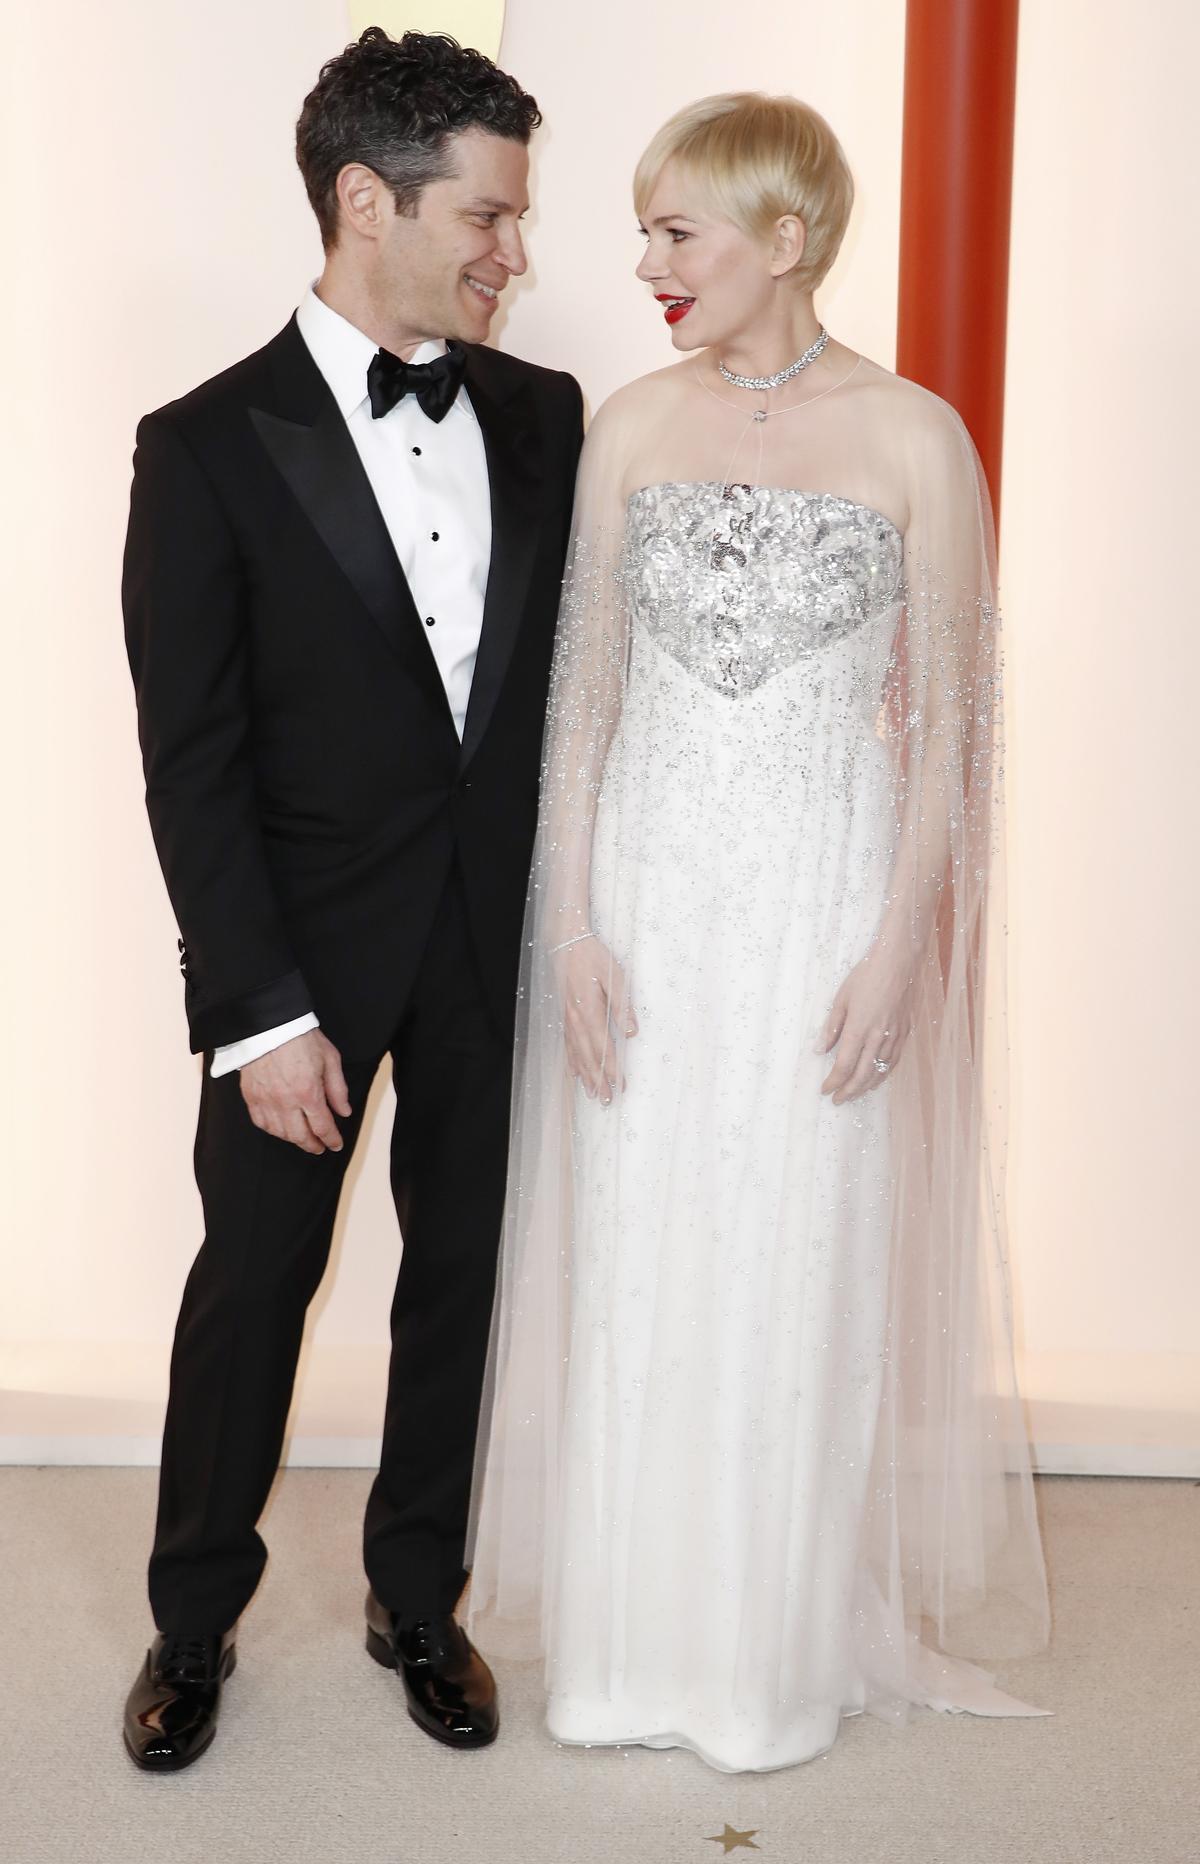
x: 316, y: 1762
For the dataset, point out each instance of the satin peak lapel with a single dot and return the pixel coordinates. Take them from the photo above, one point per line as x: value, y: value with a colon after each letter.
x: 512, y: 444
x: 319, y: 461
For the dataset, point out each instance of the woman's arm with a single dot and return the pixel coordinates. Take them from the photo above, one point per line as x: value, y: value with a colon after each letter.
x: 940, y: 725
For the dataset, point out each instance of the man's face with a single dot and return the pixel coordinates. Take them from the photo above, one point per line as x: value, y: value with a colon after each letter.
x: 443, y: 269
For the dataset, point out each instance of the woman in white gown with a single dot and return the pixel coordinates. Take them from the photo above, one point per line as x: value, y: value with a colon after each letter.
x: 752, y: 1457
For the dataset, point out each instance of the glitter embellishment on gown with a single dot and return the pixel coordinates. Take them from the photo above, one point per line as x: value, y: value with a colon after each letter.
x: 729, y: 1267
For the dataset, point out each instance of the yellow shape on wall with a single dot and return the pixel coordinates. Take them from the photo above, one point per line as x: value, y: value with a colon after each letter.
x: 478, y: 23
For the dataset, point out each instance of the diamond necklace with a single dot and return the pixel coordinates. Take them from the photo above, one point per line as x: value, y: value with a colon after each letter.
x: 781, y: 375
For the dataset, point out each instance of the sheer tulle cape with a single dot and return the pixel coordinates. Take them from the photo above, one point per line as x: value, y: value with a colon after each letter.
x: 949, y: 1561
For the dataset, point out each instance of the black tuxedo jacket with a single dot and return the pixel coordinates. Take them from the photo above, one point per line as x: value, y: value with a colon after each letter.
x: 306, y: 787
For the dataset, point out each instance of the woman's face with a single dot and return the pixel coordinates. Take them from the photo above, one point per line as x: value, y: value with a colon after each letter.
x: 712, y: 281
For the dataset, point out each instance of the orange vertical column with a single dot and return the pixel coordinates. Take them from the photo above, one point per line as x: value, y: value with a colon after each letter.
x: 960, y: 65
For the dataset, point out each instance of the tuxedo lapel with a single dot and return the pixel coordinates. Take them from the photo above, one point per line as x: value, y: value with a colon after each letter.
x: 311, y: 446
x: 512, y: 444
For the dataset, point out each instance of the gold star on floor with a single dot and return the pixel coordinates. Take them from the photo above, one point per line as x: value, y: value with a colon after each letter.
x: 733, y: 1840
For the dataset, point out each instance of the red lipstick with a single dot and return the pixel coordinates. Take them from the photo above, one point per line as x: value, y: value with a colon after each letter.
x: 676, y: 307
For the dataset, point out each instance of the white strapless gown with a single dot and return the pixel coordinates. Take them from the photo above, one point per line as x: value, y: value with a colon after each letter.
x: 729, y: 1275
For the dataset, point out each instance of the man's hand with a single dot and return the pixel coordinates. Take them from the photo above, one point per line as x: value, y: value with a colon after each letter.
x: 294, y: 1091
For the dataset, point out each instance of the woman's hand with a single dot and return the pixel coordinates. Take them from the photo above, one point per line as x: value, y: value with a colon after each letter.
x: 869, y: 1022
x: 596, y: 1009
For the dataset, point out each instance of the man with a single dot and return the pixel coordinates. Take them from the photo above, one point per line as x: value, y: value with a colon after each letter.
x: 341, y: 583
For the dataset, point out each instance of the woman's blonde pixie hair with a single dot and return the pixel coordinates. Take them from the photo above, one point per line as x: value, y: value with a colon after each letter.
x: 756, y: 158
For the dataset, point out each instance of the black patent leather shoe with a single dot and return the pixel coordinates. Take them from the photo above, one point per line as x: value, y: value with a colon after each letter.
x: 450, y: 1690
x: 171, y: 1713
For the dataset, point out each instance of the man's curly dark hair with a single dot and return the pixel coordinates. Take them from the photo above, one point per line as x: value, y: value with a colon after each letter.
x: 394, y: 104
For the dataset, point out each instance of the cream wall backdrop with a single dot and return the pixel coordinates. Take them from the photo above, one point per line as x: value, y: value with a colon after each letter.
x: 472, y: 22
x: 160, y: 231
x: 1100, y: 494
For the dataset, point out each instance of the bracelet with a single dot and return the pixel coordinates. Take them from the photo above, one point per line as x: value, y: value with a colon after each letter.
x: 577, y: 940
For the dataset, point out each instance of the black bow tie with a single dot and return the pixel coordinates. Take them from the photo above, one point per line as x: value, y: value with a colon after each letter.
x: 435, y: 384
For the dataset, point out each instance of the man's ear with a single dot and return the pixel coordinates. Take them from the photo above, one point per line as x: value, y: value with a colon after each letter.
x: 364, y: 199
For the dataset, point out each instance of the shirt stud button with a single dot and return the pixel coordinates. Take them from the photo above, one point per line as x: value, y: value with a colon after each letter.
x: 416, y: 449
x: 429, y: 621
x: 435, y: 535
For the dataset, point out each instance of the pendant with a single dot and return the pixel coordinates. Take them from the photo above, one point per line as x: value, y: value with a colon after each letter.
x: 760, y: 414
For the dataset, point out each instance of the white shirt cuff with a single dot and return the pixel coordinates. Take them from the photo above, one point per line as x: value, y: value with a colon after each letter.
x: 238, y: 1054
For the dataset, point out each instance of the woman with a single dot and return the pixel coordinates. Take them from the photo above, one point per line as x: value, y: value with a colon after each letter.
x: 753, y: 1454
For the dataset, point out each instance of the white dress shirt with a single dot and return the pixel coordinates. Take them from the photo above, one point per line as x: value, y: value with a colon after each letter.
x: 430, y: 481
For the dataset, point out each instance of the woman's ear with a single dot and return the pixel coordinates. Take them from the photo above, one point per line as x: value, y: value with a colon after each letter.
x: 787, y: 246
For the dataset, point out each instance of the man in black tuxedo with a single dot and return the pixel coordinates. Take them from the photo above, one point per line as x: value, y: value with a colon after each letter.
x: 341, y: 584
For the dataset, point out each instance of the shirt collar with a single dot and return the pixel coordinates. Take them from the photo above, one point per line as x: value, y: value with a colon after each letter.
x: 343, y: 352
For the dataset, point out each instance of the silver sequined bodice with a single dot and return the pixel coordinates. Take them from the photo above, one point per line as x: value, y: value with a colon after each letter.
x: 738, y: 583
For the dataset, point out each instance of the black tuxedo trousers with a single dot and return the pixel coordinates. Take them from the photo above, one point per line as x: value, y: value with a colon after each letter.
x: 329, y: 845
x: 269, y: 1212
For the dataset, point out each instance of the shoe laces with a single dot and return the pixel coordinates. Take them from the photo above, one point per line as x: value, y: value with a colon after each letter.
x: 428, y: 1640
x: 184, y: 1660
